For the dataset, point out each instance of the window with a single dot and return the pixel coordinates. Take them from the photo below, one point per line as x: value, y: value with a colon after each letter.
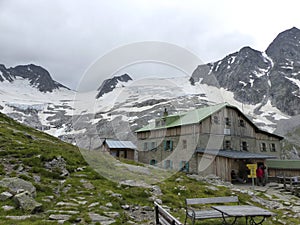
x: 153, y: 145
x: 184, y: 166
x: 168, y: 164
x: 227, y: 144
x: 216, y: 119
x: 227, y: 121
x: 242, y: 123
x: 273, y: 147
x: 149, y: 146
x: 244, y: 146
x: 263, y: 147
x: 153, y: 162
x: 226, y: 131
x: 184, y: 144
x: 168, y: 145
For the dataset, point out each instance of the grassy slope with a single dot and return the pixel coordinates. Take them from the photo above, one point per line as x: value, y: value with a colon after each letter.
x: 30, y: 149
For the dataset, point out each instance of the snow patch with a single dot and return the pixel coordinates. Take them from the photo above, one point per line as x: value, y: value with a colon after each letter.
x: 261, y: 72
x: 218, y: 65
x: 231, y: 59
x: 269, y: 83
x: 288, y: 67
x: 243, y: 83
x: 251, y: 82
x: 295, y: 81
x: 267, y: 59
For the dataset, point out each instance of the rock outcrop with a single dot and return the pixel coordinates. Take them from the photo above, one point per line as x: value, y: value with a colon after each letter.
x: 27, y: 203
x: 16, y: 185
x: 22, y: 192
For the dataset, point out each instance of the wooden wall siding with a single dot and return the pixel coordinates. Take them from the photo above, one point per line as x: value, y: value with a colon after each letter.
x: 221, y: 166
x: 206, y: 135
x: 280, y: 172
x: 128, y: 153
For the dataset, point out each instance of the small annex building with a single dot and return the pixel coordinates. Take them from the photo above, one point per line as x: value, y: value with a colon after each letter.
x: 280, y: 168
x: 210, y: 140
x: 120, y: 149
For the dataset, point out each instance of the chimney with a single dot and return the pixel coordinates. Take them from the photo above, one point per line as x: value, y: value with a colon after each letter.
x: 165, y: 112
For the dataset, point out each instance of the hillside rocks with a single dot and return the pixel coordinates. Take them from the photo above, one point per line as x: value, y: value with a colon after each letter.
x: 58, y: 165
x: 5, y: 195
x: 16, y: 185
x: 101, y: 219
x: 22, y: 192
x: 27, y: 203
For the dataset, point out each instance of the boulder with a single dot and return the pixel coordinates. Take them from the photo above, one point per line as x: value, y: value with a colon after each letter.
x: 58, y: 164
x: 7, y: 207
x: 87, y: 185
x: 25, y: 201
x: 63, y: 217
x: 101, y: 219
x: 5, y: 195
x: 17, y: 185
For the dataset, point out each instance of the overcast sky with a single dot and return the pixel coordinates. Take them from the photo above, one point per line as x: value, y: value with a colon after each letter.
x: 67, y: 36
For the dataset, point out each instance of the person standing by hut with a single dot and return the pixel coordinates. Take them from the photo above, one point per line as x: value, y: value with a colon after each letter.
x: 265, y: 170
x: 260, y: 175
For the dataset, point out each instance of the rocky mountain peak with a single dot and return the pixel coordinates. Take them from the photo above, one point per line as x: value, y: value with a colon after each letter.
x: 5, y: 74
x: 37, y: 76
x: 256, y: 77
x: 110, y: 84
x: 285, y: 48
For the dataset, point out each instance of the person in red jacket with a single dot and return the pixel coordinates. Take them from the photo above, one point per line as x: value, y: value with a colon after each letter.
x: 260, y: 175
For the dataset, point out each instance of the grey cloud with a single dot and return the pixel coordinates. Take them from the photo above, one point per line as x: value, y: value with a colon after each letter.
x: 67, y: 36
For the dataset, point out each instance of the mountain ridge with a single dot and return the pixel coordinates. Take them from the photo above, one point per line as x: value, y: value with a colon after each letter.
x: 256, y: 77
x: 110, y: 84
x: 37, y: 76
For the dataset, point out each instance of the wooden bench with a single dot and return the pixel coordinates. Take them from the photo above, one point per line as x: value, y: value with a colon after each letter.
x: 198, y: 214
x: 291, y: 184
x: 162, y: 217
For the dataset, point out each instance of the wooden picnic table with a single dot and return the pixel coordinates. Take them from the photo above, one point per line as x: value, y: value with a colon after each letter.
x: 247, y: 211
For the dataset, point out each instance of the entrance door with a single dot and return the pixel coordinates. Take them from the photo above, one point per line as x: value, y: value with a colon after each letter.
x: 122, y: 154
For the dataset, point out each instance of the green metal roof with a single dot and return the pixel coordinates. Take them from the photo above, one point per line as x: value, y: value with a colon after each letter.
x: 194, y: 117
x: 190, y: 117
x: 283, y: 164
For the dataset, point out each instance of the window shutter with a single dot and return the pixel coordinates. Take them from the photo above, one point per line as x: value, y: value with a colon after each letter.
x: 165, y: 145
x: 171, y: 164
x: 152, y: 145
x: 181, y: 165
x: 187, y: 166
x: 171, y: 145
